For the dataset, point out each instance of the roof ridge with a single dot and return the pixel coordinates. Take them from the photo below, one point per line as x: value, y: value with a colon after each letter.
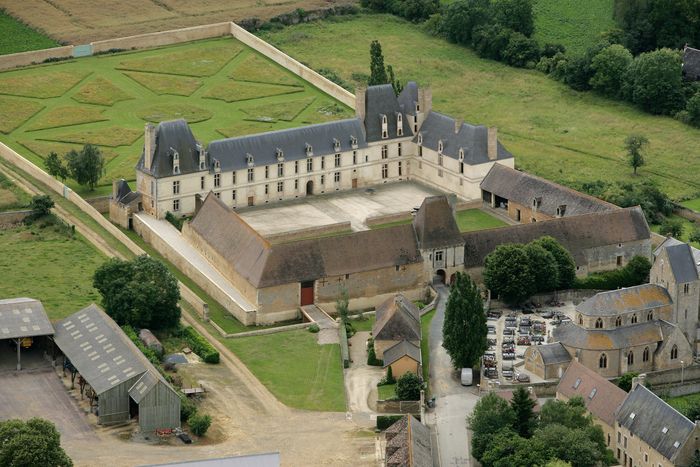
x: 233, y: 214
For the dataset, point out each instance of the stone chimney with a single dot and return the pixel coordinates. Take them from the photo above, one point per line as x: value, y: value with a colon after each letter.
x: 638, y: 380
x: 360, y: 94
x: 458, y: 124
x: 425, y: 100
x: 492, y: 147
x: 198, y: 201
x: 149, y: 145
x: 115, y: 188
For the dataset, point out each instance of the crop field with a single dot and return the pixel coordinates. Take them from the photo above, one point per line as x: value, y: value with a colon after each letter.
x: 575, y: 24
x: 221, y: 87
x: 17, y: 37
x: 79, y: 22
x: 560, y: 134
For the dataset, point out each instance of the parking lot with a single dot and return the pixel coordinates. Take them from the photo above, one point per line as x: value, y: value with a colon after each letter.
x: 511, y: 332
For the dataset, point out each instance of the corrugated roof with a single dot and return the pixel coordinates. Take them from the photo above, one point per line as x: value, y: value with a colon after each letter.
x: 399, y: 350
x: 271, y: 459
x: 397, y: 318
x: 602, y: 398
x: 655, y: 422
x: 99, y: 349
x: 473, y: 140
x: 553, y: 353
x: 682, y: 263
x: 143, y: 386
x: 381, y: 101
x: 435, y: 224
x: 173, y: 136
x: 571, y: 335
x: 23, y: 317
x: 691, y: 63
x: 628, y: 300
x: 523, y: 188
x: 576, y: 234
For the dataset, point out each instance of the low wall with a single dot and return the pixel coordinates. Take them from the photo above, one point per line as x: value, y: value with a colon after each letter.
x: 36, y: 56
x: 388, y: 218
x: 396, y: 407
x: 569, y: 295
x: 157, y: 39
x: 309, y: 232
x: 541, y: 389
x: 675, y: 382
x: 13, y: 217
x: 464, y: 205
x: 101, y: 204
x: 687, y: 213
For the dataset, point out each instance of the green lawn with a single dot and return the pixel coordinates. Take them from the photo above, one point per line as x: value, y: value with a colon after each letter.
x: 688, y: 228
x: 18, y: 37
x: 425, y: 321
x: 476, y: 219
x: 682, y: 403
x: 566, y: 136
x: 693, y: 204
x: 46, y: 264
x: 575, y: 24
x: 298, y: 371
x: 107, y: 99
x: 364, y: 324
x: 11, y: 197
x: 387, y: 391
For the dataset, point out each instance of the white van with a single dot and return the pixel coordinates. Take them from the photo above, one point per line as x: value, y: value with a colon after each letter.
x: 467, y: 377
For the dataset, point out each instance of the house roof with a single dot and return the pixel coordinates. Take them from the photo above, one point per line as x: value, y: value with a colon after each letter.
x: 23, y: 317
x: 172, y: 136
x: 435, y: 224
x: 691, y: 63
x: 99, y: 349
x: 523, y: 188
x: 577, y: 234
x: 682, y: 263
x: 124, y: 193
x: 670, y: 241
x: 413, y: 442
x: 628, y: 300
x: 381, y: 101
x: 408, y: 98
x: 400, y: 350
x: 602, y: 398
x: 397, y: 318
x: 647, y: 333
x: 473, y: 140
x: 266, y: 265
x: 655, y: 422
x: 553, y: 353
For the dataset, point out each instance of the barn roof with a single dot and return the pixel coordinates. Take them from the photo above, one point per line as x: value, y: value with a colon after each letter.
x: 435, y: 224
x: 523, y: 188
x: 397, y: 318
x: 602, y: 398
x: 23, y: 317
x: 628, y: 300
x: 647, y: 333
x: 691, y: 63
x: 577, y: 234
x: 655, y: 422
x: 400, y: 350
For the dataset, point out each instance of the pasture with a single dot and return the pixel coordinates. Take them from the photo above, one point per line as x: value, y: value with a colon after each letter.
x: 555, y: 132
x: 220, y: 86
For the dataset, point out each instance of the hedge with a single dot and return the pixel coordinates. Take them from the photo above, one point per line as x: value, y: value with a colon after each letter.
x: 385, y: 421
x: 636, y: 272
x: 344, y: 350
x: 150, y: 354
x: 200, y: 345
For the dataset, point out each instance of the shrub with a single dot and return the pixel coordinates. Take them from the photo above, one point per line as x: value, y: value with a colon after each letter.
x: 200, y: 345
x: 41, y: 206
x: 314, y: 328
x: 624, y: 382
x: 187, y: 408
x: 199, y: 424
x: 490, y: 40
x: 390, y: 376
x: 333, y: 76
x: 385, y: 421
x: 672, y: 228
x: 694, y: 236
x: 634, y: 273
x: 408, y: 387
x: 521, y: 51
x: 609, y: 68
x: 693, y: 109
x: 653, y: 82
x: 175, y: 221
x: 371, y: 355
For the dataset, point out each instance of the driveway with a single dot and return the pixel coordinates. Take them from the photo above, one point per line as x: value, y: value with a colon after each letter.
x: 361, y: 379
x: 453, y: 401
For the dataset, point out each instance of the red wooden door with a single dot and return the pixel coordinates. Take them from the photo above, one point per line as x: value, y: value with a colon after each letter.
x: 307, y: 293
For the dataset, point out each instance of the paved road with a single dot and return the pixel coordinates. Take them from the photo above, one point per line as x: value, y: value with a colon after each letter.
x: 453, y: 401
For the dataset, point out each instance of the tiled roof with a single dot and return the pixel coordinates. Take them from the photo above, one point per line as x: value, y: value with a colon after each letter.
x: 435, y: 224
x: 670, y: 241
x: 648, y: 333
x: 400, y: 350
x: 602, y: 398
x: 408, y: 98
x: 23, y: 317
x: 397, y: 318
x: 409, y: 444
x: 628, y: 300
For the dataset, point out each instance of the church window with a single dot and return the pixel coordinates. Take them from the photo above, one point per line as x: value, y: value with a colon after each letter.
x: 385, y: 151
x: 630, y: 358
x: 385, y: 170
x: 599, y: 323
x: 645, y: 354
x: 251, y: 175
x: 176, y: 205
x: 176, y: 187
x: 337, y: 160
x: 674, y: 352
x: 217, y: 180
x: 618, y: 321
x: 650, y: 316
x: 603, y: 361
x: 634, y: 319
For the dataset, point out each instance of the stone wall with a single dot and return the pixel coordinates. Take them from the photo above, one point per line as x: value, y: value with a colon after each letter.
x: 387, y: 218
x: 13, y: 217
x: 10, y: 61
x: 101, y: 203
x: 158, y: 39
x: 412, y: 407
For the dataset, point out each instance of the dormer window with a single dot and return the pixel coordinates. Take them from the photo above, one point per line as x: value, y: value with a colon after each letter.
x: 279, y: 154
x: 440, y: 147
x: 217, y: 165
x: 202, y: 157
x: 353, y: 142
x: 461, y: 154
x: 399, y: 124
x: 417, y: 107
x: 385, y: 127
x: 309, y: 150
x: 249, y: 159
x: 336, y: 145
x: 176, y: 161
x: 420, y: 139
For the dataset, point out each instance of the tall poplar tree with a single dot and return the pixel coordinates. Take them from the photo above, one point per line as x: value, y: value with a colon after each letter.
x: 376, y: 66
x: 464, y: 330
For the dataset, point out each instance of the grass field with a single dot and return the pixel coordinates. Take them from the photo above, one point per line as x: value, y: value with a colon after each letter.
x: 476, y: 219
x: 563, y: 135
x: 298, y: 371
x: 693, y: 204
x: 575, y: 24
x: 682, y: 403
x: 18, y: 37
x: 106, y: 100
x: 48, y: 265
x: 11, y: 197
x: 386, y: 391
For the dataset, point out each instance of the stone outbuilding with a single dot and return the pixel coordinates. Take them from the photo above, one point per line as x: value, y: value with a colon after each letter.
x: 548, y: 361
x: 397, y: 319
x: 123, y: 204
x: 403, y: 358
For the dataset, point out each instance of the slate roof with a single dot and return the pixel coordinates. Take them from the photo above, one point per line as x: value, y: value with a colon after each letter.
x: 645, y: 415
x: 647, y: 333
x: 397, y: 318
x: 670, y: 241
x: 232, y: 152
x: 23, y: 317
x: 691, y: 63
x: 124, y: 193
x: 99, y: 349
x: 266, y: 265
x: 435, y: 224
x: 400, y: 350
x: 579, y: 380
x: 472, y: 139
x: 553, y: 353
x: 381, y: 100
x: 522, y: 188
x: 682, y: 263
x: 628, y: 300
x: 408, y: 98
x: 172, y: 136
x: 577, y: 234
x: 414, y: 442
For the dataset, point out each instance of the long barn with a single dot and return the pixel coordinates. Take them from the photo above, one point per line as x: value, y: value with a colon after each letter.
x: 125, y: 382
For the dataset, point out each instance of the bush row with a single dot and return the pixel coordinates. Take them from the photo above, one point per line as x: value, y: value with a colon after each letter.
x: 200, y: 345
x: 297, y: 16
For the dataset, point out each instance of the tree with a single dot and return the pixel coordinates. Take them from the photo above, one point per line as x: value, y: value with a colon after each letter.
x: 341, y: 306
x: 377, y: 71
x: 624, y: 382
x: 507, y: 273
x: 54, y: 166
x: 507, y: 449
x: 672, y: 228
x: 636, y: 146
x: 87, y: 166
x: 576, y: 72
x: 523, y: 406
x: 653, y: 81
x: 516, y: 15
x: 693, y: 109
x: 490, y: 40
x: 544, y: 267
x: 694, y: 236
x: 199, y: 424
x: 696, y: 460
x: 408, y: 387
x: 521, y: 51
x: 462, y: 17
x: 609, y: 68
x: 41, y: 206
x: 571, y: 414
x: 692, y: 411
x: 141, y: 292
x: 565, y: 262
x: 31, y: 443
x: 414, y: 10
x: 395, y: 83
x: 464, y: 329
x: 573, y: 445
x: 491, y: 414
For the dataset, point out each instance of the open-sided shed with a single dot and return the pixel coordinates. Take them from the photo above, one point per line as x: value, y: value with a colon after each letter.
x: 125, y: 382
x: 23, y: 322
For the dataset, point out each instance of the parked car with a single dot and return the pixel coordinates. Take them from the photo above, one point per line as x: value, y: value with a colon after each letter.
x: 547, y: 314
x: 507, y: 374
x: 522, y: 378
x: 537, y: 339
x: 525, y: 321
x: 524, y: 340
x: 467, y: 377
x: 508, y: 340
x: 491, y: 329
x: 508, y: 355
x: 509, y: 332
x: 491, y: 373
x: 491, y: 341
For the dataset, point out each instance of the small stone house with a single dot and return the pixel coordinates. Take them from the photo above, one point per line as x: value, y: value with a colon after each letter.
x: 547, y: 361
x: 397, y: 320
x: 123, y: 204
x: 403, y: 358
